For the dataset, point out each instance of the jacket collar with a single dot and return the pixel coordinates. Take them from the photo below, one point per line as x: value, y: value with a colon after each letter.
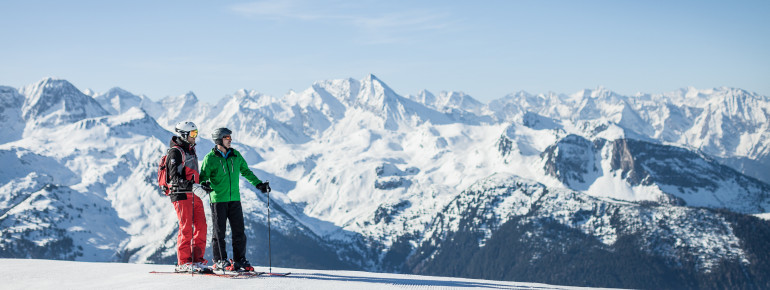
x: 176, y: 141
x: 232, y: 152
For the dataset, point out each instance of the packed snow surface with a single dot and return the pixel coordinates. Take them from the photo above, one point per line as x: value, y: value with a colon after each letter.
x: 51, y: 274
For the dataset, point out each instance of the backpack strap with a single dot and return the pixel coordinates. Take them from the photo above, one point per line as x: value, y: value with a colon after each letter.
x: 183, y: 160
x: 180, y: 151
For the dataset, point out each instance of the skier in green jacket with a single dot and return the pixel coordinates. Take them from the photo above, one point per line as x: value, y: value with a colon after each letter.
x: 223, y: 166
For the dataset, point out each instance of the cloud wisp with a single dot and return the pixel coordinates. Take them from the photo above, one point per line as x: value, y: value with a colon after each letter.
x: 375, y: 26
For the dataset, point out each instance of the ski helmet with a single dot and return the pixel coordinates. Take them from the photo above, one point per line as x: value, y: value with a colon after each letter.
x: 185, y: 129
x: 220, y: 133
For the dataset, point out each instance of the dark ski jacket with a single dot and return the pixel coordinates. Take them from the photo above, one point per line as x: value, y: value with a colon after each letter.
x: 181, y: 174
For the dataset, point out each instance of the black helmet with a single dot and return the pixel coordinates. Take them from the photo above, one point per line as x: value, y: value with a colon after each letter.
x: 220, y: 133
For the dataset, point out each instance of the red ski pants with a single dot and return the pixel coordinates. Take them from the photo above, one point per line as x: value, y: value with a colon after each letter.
x: 190, y: 230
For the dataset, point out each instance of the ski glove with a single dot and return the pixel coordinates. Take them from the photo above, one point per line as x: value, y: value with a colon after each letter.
x: 206, y: 185
x: 264, y: 187
x: 198, y: 190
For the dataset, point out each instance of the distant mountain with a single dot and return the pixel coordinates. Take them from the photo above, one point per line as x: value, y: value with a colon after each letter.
x: 53, y: 102
x: 118, y: 101
x: 729, y: 124
x: 551, y: 187
x: 510, y: 228
x: 636, y: 170
x: 11, y: 115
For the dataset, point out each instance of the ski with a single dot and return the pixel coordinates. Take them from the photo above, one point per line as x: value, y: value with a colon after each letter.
x: 277, y: 274
x: 228, y: 274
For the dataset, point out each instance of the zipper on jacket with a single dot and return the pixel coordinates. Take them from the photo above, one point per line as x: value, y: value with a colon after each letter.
x: 231, y: 170
x: 229, y: 179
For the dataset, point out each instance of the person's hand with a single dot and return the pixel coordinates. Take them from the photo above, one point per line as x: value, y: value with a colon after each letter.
x: 206, y: 185
x: 264, y: 187
x: 200, y: 190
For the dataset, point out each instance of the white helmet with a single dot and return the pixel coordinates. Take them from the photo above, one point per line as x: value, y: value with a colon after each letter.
x: 184, y: 129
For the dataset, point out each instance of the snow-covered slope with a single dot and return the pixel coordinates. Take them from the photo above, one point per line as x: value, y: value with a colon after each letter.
x: 364, y: 177
x: 76, y: 172
x: 26, y: 274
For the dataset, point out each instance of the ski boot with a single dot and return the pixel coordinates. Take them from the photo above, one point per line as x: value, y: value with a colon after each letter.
x: 223, y: 265
x: 202, y: 267
x: 184, y: 268
x: 243, y: 265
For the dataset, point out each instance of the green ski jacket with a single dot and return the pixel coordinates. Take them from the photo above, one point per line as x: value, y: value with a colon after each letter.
x: 223, y: 174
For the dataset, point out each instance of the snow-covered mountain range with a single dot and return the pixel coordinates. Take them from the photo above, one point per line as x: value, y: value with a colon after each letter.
x: 365, y: 178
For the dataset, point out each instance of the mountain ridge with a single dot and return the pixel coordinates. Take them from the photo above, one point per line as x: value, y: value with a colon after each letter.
x: 363, y: 177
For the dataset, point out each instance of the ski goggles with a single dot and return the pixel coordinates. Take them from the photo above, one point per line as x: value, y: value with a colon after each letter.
x: 228, y: 138
x: 194, y: 133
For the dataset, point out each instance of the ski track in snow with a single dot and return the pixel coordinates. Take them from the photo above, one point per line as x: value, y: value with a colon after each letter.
x: 27, y: 274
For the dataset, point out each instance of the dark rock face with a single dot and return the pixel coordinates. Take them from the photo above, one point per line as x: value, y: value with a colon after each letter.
x: 573, y: 160
x: 682, y: 175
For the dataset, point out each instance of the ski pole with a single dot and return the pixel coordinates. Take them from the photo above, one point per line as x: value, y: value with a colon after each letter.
x: 216, y: 234
x: 192, y: 237
x: 269, y: 248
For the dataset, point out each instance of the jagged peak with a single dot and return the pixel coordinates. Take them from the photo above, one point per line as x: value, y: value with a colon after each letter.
x: 520, y: 93
x: 700, y: 97
x: 116, y: 92
x: 45, y: 98
x: 52, y: 89
x: 51, y: 80
x: 242, y: 97
x: 733, y: 92
x: 187, y: 98
x: 342, y: 89
x: 371, y: 78
x: 243, y: 93
x: 597, y: 93
x: 425, y: 97
x: 50, y: 84
x: 119, y: 91
x: 373, y: 82
x: 253, y: 99
x: 190, y: 96
x: 459, y: 97
x: 374, y: 93
x: 424, y: 91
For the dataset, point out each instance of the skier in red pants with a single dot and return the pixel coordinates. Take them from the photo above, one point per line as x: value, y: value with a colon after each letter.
x: 183, y: 176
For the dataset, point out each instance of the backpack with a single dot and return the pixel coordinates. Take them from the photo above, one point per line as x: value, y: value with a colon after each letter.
x: 163, y: 172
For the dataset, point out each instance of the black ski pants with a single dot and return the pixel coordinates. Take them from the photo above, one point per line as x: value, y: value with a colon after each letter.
x: 221, y: 212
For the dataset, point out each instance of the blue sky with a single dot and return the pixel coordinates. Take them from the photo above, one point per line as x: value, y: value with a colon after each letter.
x: 486, y: 49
